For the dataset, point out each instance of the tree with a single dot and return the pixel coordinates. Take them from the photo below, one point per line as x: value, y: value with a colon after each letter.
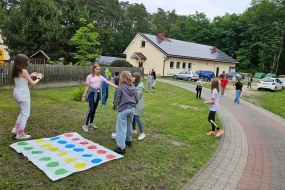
x: 86, y: 42
x: 120, y: 63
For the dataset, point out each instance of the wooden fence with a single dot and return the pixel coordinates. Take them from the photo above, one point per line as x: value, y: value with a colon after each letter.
x: 59, y: 73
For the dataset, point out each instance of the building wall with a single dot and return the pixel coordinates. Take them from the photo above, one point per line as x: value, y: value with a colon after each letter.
x: 3, y: 47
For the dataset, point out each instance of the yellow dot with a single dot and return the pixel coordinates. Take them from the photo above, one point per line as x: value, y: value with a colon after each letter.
x: 80, y: 165
x: 40, y: 140
x: 63, y: 154
x: 68, y: 160
x: 53, y: 148
x: 47, y: 145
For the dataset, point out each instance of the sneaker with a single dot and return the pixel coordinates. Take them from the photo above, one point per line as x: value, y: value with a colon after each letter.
x: 211, y: 133
x: 14, y: 130
x: 120, y: 151
x: 22, y: 137
x: 129, y: 144
x: 141, y: 137
x: 102, y: 105
x: 85, y: 128
x: 92, y: 125
x: 135, y: 132
x: 220, y: 132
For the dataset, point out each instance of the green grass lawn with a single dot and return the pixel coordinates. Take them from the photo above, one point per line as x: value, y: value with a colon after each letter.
x: 174, y: 149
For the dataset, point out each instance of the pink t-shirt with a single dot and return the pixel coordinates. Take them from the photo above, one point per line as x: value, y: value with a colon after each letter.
x: 95, y: 82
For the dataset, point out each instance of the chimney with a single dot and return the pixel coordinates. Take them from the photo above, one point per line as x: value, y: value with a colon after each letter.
x: 161, y: 35
x: 214, y: 49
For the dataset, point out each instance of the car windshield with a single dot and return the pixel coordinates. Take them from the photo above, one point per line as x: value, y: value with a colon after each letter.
x: 282, y: 79
x: 267, y: 80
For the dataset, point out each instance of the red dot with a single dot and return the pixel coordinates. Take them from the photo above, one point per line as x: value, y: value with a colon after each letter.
x: 84, y: 142
x: 75, y: 139
x: 68, y: 135
x: 101, y: 152
x: 110, y: 156
x: 92, y: 147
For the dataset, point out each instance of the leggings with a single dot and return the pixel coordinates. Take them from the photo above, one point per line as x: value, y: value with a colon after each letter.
x: 198, y: 94
x: 211, y: 119
x: 22, y: 97
x: 92, y: 107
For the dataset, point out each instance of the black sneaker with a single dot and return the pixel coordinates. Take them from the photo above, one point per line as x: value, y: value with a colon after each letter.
x: 120, y: 151
x: 129, y: 144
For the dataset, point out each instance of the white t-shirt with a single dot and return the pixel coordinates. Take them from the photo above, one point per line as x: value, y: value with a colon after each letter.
x: 215, y: 106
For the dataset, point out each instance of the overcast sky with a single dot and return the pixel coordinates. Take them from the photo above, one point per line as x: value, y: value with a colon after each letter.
x: 211, y: 8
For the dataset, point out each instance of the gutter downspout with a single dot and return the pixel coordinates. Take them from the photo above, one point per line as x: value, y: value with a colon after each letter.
x: 164, y: 64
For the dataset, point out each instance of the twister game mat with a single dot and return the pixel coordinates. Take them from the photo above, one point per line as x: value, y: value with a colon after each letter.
x: 64, y: 154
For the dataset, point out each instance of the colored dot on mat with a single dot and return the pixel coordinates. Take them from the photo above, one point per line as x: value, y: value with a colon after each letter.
x: 62, y: 142
x: 96, y: 160
x: 37, y: 152
x: 92, y: 147
x: 45, y: 159
x: 68, y: 135
x: 69, y: 146
x: 80, y: 165
x: 53, y: 148
x: 62, y: 154
x: 85, y: 142
x: 22, y: 143
x: 78, y: 149
x: 39, y: 140
x: 68, y: 160
x: 28, y: 148
x: 47, y: 145
x: 110, y: 156
x: 87, y: 155
x: 52, y: 164
x: 54, y: 138
x: 60, y: 171
x: 75, y: 139
x: 101, y: 152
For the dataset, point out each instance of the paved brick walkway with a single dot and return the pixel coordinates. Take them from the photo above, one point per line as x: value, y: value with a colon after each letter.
x: 251, y: 154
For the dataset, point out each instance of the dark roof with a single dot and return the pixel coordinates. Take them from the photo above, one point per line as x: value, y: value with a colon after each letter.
x: 189, y: 50
x: 139, y: 55
x: 40, y: 51
x: 108, y: 59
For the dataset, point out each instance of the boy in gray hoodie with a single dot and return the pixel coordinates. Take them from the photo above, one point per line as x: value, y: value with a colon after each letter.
x: 126, y: 99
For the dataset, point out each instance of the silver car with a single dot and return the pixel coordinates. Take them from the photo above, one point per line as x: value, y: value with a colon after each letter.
x: 187, y: 75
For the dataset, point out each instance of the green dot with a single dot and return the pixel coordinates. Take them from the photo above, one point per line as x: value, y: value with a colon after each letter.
x: 28, y: 148
x: 52, y: 164
x: 22, y: 143
x: 44, y: 159
x: 60, y: 171
x: 37, y: 152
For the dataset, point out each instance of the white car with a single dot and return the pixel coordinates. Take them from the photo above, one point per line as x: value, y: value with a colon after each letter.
x: 283, y: 82
x: 187, y: 75
x: 270, y: 84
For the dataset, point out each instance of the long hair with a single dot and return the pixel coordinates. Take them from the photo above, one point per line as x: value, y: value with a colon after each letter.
x: 94, y: 67
x: 21, y: 62
x: 137, y: 76
x: 215, y: 84
x: 125, y: 78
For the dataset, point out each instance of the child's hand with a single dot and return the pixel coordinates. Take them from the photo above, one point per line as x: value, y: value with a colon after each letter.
x: 205, y: 102
x: 83, y: 99
x: 34, y: 74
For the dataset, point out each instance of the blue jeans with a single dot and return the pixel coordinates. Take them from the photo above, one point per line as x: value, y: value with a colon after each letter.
x: 238, y: 92
x: 105, y: 94
x: 124, y: 127
x: 137, y: 119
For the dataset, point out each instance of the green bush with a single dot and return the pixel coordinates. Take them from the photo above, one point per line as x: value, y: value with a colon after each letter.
x: 77, y: 93
x: 120, y: 63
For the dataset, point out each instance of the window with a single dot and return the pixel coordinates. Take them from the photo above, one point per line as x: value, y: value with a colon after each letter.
x: 171, y: 64
x: 177, y: 65
x: 189, y: 66
x: 184, y: 65
x: 143, y: 44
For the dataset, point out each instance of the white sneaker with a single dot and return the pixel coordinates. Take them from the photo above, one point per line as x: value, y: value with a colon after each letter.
x: 14, y: 130
x: 92, y: 125
x: 219, y: 133
x: 22, y: 137
x: 85, y: 128
x: 141, y: 137
x: 135, y: 132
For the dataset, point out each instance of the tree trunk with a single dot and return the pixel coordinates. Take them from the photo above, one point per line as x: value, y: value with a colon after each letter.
x: 280, y: 51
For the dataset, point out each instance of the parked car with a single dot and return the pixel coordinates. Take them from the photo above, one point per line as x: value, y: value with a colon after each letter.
x: 230, y: 75
x: 273, y: 84
x: 206, y: 74
x: 283, y: 82
x: 187, y: 75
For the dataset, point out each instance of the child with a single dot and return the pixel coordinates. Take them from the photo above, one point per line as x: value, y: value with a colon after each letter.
x: 249, y: 81
x: 92, y: 95
x: 154, y: 77
x: 149, y: 82
x: 234, y: 80
x: 238, y: 87
x: 126, y: 99
x: 140, y: 106
x: 199, y: 87
x: 214, y: 107
x: 105, y: 89
x: 224, y: 83
x: 116, y: 81
x: 22, y: 93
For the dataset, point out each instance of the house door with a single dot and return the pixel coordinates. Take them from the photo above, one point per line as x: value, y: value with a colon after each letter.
x: 217, y: 71
x: 140, y: 64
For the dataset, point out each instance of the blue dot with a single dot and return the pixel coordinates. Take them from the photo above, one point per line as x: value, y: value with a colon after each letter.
x: 69, y: 146
x: 62, y: 142
x: 78, y: 149
x: 54, y: 138
x: 87, y: 155
x: 96, y: 160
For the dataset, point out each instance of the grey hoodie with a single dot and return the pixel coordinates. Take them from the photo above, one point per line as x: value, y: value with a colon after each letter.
x: 126, y: 97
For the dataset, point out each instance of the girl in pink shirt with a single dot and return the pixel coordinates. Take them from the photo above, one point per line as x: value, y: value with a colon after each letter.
x: 92, y: 95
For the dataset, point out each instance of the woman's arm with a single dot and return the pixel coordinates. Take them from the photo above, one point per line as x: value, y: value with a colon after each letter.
x: 210, y: 102
x: 84, y: 94
x: 30, y: 80
x: 110, y: 83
